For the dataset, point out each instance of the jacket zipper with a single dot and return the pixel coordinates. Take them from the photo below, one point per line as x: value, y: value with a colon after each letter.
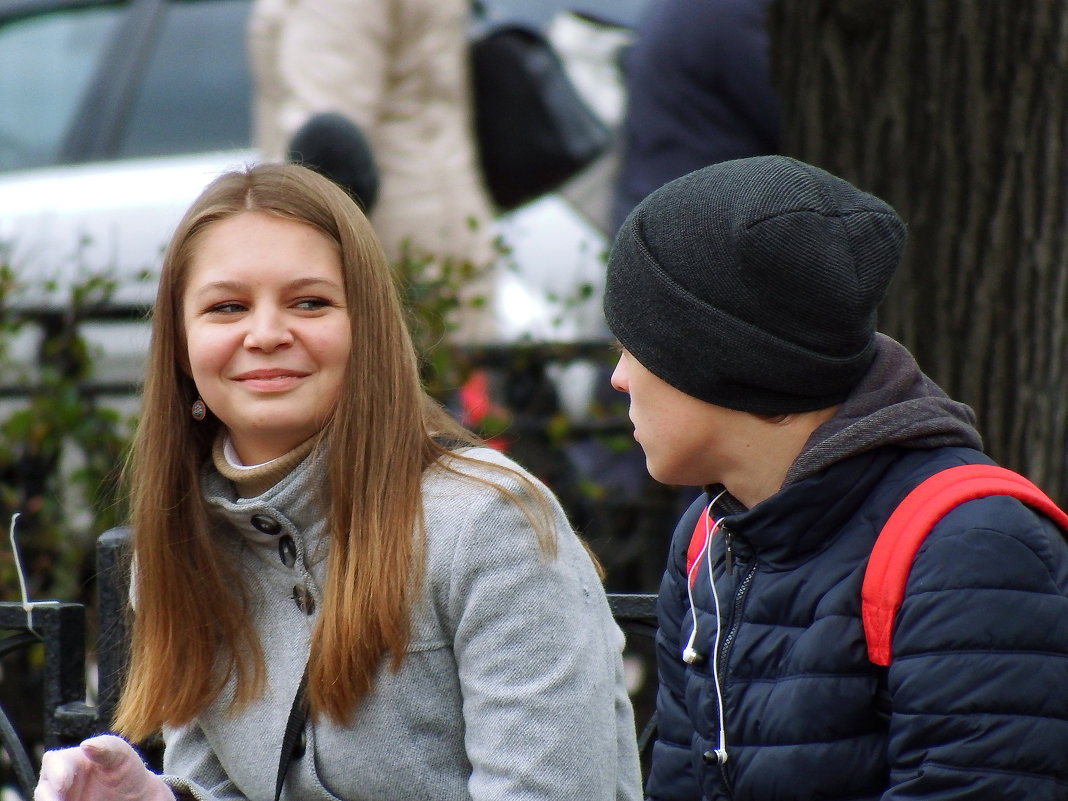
x: 736, y: 614
x: 739, y: 599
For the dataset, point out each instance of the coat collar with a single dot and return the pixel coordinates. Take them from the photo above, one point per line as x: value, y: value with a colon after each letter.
x: 797, y: 521
x: 294, y: 506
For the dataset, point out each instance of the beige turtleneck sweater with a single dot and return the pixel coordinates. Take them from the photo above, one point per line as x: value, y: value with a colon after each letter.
x: 257, y: 479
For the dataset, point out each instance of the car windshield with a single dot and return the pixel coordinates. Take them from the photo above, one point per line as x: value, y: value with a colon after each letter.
x: 46, y: 63
x: 195, y: 93
x: 120, y: 81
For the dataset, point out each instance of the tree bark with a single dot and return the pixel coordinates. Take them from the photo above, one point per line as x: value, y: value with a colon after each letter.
x: 954, y: 111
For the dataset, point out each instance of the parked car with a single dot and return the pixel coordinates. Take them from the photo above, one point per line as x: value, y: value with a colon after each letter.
x: 113, y: 116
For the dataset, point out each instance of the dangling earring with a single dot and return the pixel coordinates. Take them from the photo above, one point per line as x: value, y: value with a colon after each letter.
x: 199, y: 410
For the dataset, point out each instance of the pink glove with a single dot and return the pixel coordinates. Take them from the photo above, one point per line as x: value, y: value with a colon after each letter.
x: 104, y: 768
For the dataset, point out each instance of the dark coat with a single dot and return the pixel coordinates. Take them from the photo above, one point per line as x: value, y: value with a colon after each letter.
x: 975, y: 702
x: 699, y: 91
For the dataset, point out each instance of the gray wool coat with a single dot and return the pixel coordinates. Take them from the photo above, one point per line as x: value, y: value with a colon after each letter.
x: 512, y: 687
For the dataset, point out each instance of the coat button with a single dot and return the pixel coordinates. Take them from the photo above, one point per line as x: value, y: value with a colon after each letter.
x: 301, y: 745
x: 287, y: 551
x: 268, y: 525
x: 303, y: 599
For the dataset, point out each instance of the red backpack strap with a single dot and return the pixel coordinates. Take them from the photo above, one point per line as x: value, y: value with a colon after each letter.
x: 697, y: 543
x: 897, y: 543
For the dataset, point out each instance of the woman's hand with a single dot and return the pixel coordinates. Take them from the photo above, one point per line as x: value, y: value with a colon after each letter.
x: 104, y: 768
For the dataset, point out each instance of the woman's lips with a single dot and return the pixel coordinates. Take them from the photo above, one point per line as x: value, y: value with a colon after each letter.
x: 270, y: 380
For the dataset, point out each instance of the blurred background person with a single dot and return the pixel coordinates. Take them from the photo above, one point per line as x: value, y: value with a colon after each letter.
x: 698, y: 92
x: 399, y: 70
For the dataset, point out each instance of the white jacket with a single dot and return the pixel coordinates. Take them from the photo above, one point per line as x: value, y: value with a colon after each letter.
x: 399, y: 70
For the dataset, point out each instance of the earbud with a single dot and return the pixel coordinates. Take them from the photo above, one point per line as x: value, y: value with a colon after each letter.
x: 691, y: 657
x: 716, y: 756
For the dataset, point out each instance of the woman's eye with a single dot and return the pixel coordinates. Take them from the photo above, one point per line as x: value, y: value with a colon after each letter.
x: 230, y: 307
x: 312, y: 304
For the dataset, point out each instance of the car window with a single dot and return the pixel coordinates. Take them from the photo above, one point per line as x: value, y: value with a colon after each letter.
x: 195, y: 93
x: 46, y: 62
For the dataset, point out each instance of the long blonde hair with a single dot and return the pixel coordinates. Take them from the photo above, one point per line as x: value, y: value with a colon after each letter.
x: 190, y: 634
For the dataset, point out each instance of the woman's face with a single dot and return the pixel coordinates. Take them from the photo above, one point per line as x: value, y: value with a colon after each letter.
x: 267, y: 330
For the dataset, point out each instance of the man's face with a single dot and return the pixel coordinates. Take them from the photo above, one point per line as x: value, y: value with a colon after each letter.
x: 686, y: 441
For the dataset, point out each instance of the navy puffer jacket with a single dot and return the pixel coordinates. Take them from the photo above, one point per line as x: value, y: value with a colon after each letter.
x: 975, y: 703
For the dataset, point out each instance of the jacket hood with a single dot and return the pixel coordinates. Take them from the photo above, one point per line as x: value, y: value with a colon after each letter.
x: 894, y: 404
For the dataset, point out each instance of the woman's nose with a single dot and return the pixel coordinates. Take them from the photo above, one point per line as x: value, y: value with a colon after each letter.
x: 267, y: 330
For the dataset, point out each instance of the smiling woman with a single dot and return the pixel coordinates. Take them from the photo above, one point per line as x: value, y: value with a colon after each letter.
x: 312, y: 534
x: 267, y: 330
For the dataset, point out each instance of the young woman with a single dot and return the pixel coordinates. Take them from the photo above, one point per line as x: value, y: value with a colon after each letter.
x: 310, y: 527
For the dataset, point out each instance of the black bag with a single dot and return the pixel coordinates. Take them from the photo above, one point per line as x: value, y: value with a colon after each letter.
x: 534, y: 130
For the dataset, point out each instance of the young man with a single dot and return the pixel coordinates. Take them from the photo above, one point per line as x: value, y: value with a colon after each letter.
x: 743, y: 297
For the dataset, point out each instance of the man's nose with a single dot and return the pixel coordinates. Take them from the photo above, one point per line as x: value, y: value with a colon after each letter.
x: 619, y: 377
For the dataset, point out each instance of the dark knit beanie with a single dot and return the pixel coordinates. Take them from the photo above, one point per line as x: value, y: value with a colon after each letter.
x: 753, y: 284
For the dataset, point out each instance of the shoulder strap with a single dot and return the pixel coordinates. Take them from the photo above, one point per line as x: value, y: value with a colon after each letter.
x: 697, y: 543
x: 904, y: 532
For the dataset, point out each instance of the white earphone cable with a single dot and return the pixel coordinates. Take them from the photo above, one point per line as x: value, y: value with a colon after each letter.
x: 721, y: 752
x: 689, y: 653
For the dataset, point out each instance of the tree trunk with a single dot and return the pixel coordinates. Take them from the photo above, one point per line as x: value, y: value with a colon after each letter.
x: 954, y: 111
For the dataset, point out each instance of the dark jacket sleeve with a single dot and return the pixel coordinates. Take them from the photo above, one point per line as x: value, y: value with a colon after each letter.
x: 980, y: 661
x: 671, y: 776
